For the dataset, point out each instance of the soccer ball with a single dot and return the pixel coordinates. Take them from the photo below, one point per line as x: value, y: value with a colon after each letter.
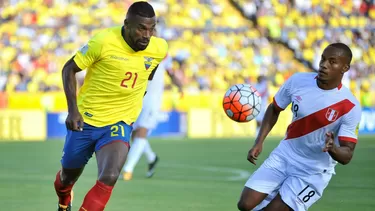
x: 242, y: 103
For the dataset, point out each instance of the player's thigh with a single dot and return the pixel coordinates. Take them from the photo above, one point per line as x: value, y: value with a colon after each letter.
x: 78, y: 148
x: 263, y: 184
x: 111, y: 151
x: 300, y: 193
x: 110, y: 159
x: 277, y: 204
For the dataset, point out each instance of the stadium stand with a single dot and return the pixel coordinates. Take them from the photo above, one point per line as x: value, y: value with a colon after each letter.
x: 212, y: 44
x: 308, y: 26
x: 210, y: 49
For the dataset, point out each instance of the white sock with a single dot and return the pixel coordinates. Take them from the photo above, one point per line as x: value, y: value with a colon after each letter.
x: 135, y: 154
x: 150, y: 155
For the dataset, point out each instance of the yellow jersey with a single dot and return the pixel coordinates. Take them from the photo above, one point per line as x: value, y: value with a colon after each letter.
x: 116, y: 77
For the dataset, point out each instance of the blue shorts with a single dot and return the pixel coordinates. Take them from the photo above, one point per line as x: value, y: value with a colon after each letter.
x: 80, y: 145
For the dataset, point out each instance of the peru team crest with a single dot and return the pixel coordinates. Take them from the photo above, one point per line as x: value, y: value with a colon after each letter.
x: 332, y: 115
x: 148, y: 62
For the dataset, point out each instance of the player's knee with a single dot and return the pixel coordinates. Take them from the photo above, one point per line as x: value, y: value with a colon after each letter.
x: 70, y: 176
x: 65, y: 180
x: 245, y: 205
x: 109, y: 178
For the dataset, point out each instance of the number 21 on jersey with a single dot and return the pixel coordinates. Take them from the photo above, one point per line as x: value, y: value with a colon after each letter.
x: 129, y: 80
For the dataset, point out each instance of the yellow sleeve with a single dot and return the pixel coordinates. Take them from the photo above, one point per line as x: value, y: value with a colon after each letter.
x: 166, y: 47
x: 88, y: 54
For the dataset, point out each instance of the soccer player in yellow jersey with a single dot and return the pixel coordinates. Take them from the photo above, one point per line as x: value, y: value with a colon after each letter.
x: 119, y: 63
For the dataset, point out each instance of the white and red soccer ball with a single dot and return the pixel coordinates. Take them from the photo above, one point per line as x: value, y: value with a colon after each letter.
x: 242, y: 103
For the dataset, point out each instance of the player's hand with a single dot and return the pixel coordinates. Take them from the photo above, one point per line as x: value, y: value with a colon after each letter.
x: 254, y: 152
x: 74, y: 121
x: 330, y: 144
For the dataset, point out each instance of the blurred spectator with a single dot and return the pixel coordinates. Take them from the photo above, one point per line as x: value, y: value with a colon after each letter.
x: 213, y: 46
x: 309, y: 26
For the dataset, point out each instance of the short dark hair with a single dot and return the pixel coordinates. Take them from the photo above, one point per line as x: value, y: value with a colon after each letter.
x: 141, y: 8
x: 345, y: 49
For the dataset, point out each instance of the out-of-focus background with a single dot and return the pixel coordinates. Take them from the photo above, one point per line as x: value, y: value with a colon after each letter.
x: 214, y: 44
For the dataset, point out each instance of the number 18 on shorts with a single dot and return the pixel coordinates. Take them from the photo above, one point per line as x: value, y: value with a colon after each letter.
x: 308, y: 196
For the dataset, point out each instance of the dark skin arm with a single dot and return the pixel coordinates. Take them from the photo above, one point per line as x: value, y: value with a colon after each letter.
x: 270, y: 118
x: 74, y: 121
x: 176, y: 81
x: 343, y: 153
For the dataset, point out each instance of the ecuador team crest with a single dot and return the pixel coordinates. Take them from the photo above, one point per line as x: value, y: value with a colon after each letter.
x: 148, y: 62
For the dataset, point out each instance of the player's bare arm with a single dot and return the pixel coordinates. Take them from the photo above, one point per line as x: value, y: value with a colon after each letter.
x: 74, y: 121
x: 176, y: 81
x: 343, y: 153
x: 270, y: 118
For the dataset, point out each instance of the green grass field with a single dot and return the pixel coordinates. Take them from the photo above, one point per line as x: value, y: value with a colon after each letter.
x: 196, y: 175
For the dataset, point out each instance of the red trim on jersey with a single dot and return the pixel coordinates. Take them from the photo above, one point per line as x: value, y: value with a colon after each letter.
x: 339, y: 87
x: 318, y: 119
x: 277, y: 106
x: 349, y: 139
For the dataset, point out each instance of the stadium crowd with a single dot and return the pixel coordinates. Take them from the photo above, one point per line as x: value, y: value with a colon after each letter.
x: 212, y: 44
x: 309, y: 26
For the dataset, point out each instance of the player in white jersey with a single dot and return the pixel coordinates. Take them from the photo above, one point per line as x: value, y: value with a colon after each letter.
x: 323, y: 132
x: 262, y: 87
x: 147, y: 120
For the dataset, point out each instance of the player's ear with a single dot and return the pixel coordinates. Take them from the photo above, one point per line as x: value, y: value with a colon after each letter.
x: 126, y: 23
x: 346, y: 68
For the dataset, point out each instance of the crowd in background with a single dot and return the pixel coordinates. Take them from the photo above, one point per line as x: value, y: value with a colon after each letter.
x: 213, y: 45
x: 309, y: 26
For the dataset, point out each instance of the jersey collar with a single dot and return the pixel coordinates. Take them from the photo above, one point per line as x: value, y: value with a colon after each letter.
x: 338, y: 87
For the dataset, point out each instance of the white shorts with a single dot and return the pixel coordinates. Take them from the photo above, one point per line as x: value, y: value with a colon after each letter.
x: 275, y: 176
x: 148, y: 118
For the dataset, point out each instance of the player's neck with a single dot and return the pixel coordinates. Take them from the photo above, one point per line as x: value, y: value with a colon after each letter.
x: 328, y: 85
x: 127, y: 39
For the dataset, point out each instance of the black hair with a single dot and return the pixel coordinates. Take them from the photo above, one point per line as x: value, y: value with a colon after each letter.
x: 345, y: 50
x: 141, y: 8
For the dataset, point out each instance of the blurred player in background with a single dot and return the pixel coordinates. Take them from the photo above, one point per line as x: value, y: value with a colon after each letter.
x: 262, y: 87
x: 119, y: 62
x: 147, y: 120
x: 323, y: 132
